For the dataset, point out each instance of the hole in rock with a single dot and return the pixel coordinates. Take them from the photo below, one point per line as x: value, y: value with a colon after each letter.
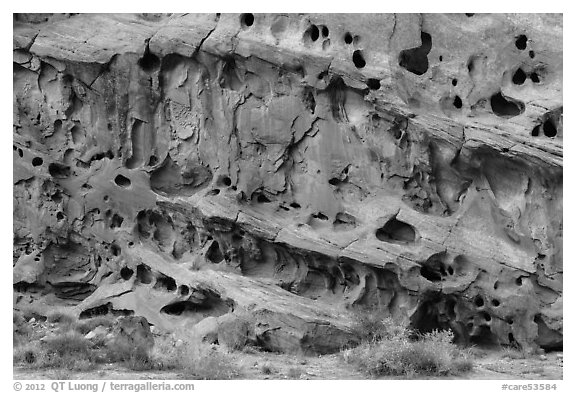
x: 325, y: 31
x: 509, y: 321
x: 295, y: 205
x: 165, y: 282
x: 478, y: 301
x: 450, y: 270
x: 153, y: 160
x: 59, y: 216
x: 149, y: 62
x: 58, y: 171
x: 263, y: 199
x: 531, y: 54
x: 436, y: 312
x: 505, y: 107
x: 440, y: 58
x: 122, y: 181
x: 549, y: 129
x: 358, y: 59
x: 454, y: 82
x: 534, y: 77
x: 226, y: 181
x: 116, y: 221
x: 415, y: 60
x: 20, y: 153
x: 247, y: 20
x: 144, y: 274
x: 320, y: 216
x: 115, y: 249
x: 483, y: 336
x: 348, y: 38
x: 521, y: 41
x: 205, y: 302
x: 106, y: 198
x: 344, y: 221
x: 495, y: 302
x: 334, y: 181
x: 312, y: 33
x: 457, y: 102
x: 37, y: 161
x: 536, y: 130
x: 519, y: 281
x: 104, y: 309
x: 214, y: 254
x: 373, y: 84
x: 396, y: 231
x: 130, y: 244
x: 183, y: 290
x: 487, y: 316
x: 519, y: 77
x: 469, y: 15
x: 126, y: 273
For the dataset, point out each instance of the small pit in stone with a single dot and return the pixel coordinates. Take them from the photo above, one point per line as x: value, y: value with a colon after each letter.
x: 312, y: 33
x: 549, y: 128
x: 144, y: 274
x: 373, y: 84
x: 505, y: 107
x: 519, y: 77
x: 396, y: 231
x: 122, y: 181
x: 457, y: 102
x: 348, y: 38
x: 149, y: 62
x: 358, y: 59
x: 37, y: 161
x: 126, y: 273
x: 247, y: 20
x: 415, y: 60
x: 163, y: 282
x: 521, y: 41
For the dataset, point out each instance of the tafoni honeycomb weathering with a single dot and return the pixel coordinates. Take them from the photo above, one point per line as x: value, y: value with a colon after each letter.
x: 261, y: 176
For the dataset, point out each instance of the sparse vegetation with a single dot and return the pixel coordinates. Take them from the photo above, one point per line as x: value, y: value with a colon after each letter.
x: 62, y: 346
x: 390, y: 349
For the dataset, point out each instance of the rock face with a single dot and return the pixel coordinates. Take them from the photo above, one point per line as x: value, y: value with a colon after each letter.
x: 271, y: 172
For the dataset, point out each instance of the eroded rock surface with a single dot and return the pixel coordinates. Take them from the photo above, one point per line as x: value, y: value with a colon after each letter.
x: 270, y: 172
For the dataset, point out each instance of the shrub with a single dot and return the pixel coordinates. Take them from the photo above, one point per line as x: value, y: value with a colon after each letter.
x: 65, y: 321
x: 294, y: 373
x: 69, y: 350
x: 397, y: 355
x: 198, y: 360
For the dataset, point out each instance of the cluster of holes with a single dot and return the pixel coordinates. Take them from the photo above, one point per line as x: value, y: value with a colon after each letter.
x: 320, y: 216
x: 246, y: 20
x: 313, y: 32
x: 520, y: 76
x: 548, y: 127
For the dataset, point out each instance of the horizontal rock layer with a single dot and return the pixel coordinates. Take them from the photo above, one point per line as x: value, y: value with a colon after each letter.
x: 267, y: 173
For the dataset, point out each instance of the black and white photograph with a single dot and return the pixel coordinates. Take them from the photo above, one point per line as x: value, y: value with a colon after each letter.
x: 286, y: 196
